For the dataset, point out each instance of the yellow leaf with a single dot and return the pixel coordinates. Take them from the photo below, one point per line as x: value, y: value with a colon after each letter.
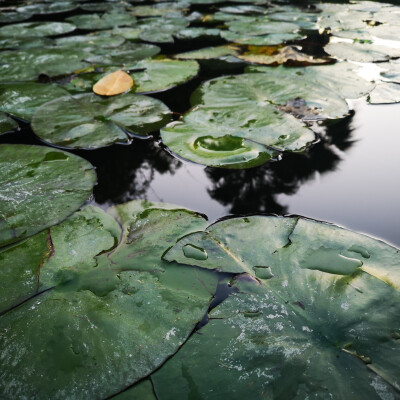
x: 115, y: 83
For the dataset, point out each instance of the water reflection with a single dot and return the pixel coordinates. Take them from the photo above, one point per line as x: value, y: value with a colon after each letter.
x: 255, y: 190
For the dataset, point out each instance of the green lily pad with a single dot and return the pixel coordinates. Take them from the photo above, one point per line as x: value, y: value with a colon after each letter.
x: 141, y: 391
x: 263, y: 40
x: 23, y: 99
x: 95, y: 39
x: 12, y: 16
x: 209, y: 53
x: 24, y: 43
x: 125, y: 55
x: 161, y: 30
x: 343, y: 78
x: 40, y: 187
x: 90, y: 121
x: 321, y: 320
x: 36, y: 29
x: 109, y: 311
x: 261, y: 26
x: 236, y: 125
x: 110, y: 20
x: 105, y: 6
x: 167, y: 9
x: 49, y: 8
x: 198, y: 33
x: 163, y: 74
x: 361, y: 52
x: 311, y: 99
x: 27, y: 65
x: 7, y: 124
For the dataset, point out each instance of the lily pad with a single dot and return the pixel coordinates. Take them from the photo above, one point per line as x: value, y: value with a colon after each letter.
x: 385, y: 93
x: 313, y: 100
x: 90, y: 121
x: 161, y: 30
x: 110, y: 20
x: 261, y: 26
x: 163, y: 74
x: 361, y: 52
x: 235, y: 126
x: 116, y: 311
x: 36, y: 29
x: 263, y: 40
x: 39, y: 188
x: 198, y: 33
x: 13, y: 16
x: 125, y: 55
x: 209, y: 53
x: 7, y: 124
x: 342, y: 78
x: 276, y: 55
x: 27, y: 65
x: 49, y: 8
x: 320, y: 320
x: 24, y: 43
x: 101, y: 39
x: 23, y: 99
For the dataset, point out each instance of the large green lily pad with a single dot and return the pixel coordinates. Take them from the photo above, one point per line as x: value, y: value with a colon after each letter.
x: 27, y: 65
x: 110, y: 20
x: 342, y: 78
x: 90, y: 121
x: 312, y: 100
x: 236, y: 125
x: 112, y: 309
x: 7, y: 124
x: 24, y: 43
x: 36, y: 29
x: 95, y: 39
x: 49, y: 8
x: 320, y: 320
x: 23, y: 99
x: 39, y: 187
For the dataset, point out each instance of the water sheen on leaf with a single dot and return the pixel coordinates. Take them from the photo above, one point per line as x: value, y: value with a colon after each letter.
x: 315, y: 315
x: 90, y: 121
x: 113, y: 311
x: 39, y: 187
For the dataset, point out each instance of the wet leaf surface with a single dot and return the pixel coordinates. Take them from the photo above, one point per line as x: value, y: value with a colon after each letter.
x: 40, y: 187
x: 320, y: 298
x: 91, y: 121
x: 113, y: 313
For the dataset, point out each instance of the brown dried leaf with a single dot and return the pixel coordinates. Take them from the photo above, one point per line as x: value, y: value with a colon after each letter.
x: 115, y: 83
x: 275, y: 55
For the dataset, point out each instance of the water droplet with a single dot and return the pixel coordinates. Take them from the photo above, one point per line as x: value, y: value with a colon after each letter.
x: 360, y: 250
x: 331, y: 262
x: 263, y: 272
x: 197, y: 253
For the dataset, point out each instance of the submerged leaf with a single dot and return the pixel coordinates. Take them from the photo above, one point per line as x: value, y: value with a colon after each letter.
x: 114, y: 83
x: 39, y: 187
x: 90, y: 121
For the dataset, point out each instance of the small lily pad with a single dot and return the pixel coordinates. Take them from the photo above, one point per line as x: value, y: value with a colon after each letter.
x: 40, y: 187
x: 110, y: 20
x: 23, y: 99
x: 36, y: 29
x: 385, y: 93
x: 89, y: 121
x: 27, y: 65
x: 163, y: 74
